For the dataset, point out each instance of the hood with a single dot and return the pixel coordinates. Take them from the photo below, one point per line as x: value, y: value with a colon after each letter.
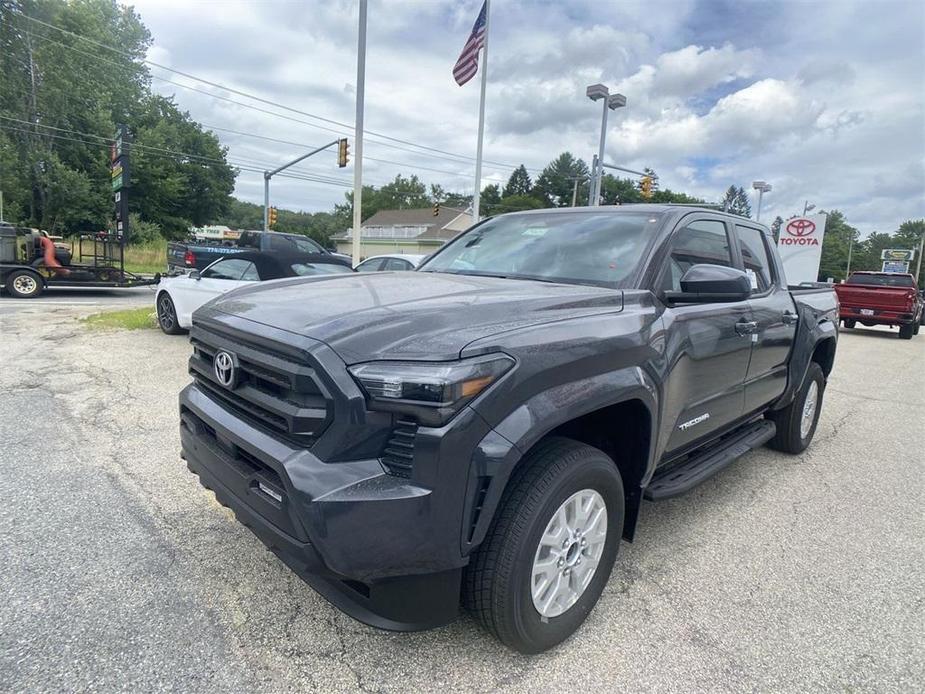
x: 409, y: 315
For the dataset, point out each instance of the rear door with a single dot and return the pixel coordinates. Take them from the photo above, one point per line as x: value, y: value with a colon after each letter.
x: 707, y: 354
x: 774, y: 316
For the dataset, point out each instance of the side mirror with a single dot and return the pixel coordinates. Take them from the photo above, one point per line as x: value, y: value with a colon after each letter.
x: 705, y: 283
x: 194, y: 275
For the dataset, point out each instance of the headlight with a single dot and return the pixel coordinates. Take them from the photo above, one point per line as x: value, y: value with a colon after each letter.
x: 433, y: 392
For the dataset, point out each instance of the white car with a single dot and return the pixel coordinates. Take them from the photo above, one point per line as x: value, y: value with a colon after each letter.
x: 177, y: 297
x: 389, y: 263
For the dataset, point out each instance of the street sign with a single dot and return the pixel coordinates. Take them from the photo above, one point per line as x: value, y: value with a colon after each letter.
x: 897, y: 254
x: 895, y: 266
x: 800, y: 247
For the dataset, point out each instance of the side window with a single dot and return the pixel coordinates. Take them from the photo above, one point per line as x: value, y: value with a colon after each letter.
x: 755, y: 257
x: 230, y: 269
x: 249, y: 240
x: 703, y: 241
x: 396, y: 264
x: 250, y: 273
x: 371, y: 265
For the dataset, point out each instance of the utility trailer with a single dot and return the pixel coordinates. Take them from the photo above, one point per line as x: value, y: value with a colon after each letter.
x: 30, y: 261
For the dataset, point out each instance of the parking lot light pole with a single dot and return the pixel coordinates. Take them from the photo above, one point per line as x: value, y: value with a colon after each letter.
x: 762, y: 188
x: 598, y: 92
x: 807, y: 207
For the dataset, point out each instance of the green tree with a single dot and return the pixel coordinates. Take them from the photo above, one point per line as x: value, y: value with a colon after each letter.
x: 736, y: 202
x: 61, y: 104
x: 517, y: 203
x: 555, y: 186
x: 519, y: 183
x: 489, y: 199
x: 838, y: 236
x: 775, y: 227
x: 619, y: 191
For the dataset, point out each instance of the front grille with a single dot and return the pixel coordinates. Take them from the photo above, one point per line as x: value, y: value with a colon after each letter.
x: 398, y: 456
x: 272, y: 391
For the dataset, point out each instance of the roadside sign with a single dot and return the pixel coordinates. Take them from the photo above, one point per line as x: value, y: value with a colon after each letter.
x: 901, y: 266
x: 121, y: 178
x: 897, y: 254
x: 800, y: 247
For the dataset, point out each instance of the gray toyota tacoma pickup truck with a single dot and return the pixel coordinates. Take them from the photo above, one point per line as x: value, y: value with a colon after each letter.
x: 483, y: 431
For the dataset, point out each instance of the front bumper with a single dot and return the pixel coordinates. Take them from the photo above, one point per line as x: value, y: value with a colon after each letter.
x: 373, y: 544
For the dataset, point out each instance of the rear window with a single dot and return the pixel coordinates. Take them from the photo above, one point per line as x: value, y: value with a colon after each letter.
x: 882, y: 280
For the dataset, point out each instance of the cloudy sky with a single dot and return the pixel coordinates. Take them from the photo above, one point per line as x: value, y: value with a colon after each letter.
x: 824, y: 100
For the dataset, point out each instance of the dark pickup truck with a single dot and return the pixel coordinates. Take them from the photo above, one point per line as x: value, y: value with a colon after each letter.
x: 198, y: 255
x: 485, y: 429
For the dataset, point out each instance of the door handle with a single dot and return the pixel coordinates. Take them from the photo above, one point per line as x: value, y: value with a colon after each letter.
x: 789, y: 318
x: 746, y: 327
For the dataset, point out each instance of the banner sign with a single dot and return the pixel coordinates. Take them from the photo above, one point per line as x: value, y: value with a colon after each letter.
x: 897, y: 254
x: 895, y: 266
x: 800, y: 247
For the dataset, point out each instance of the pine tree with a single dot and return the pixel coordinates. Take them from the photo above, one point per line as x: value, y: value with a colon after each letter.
x: 736, y: 202
x: 519, y: 183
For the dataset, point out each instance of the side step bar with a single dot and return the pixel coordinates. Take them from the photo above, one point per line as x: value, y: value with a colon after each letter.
x: 682, y: 477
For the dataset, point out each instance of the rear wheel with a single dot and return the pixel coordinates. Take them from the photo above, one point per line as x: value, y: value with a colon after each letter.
x: 167, y: 315
x: 848, y: 323
x: 906, y: 331
x: 796, y: 423
x: 549, y: 552
x: 24, y: 284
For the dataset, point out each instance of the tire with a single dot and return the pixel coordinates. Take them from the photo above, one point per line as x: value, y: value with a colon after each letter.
x: 906, y: 331
x: 24, y: 284
x: 167, y: 315
x: 915, y: 328
x: 848, y: 323
x: 792, y: 436
x: 498, y: 583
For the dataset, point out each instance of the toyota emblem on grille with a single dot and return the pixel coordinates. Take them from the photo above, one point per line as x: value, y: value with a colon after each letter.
x: 226, y: 371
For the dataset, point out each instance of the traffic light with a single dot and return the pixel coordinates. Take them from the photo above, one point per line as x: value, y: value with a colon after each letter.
x: 646, y: 187
x: 343, y: 152
x: 271, y: 219
x: 436, y: 209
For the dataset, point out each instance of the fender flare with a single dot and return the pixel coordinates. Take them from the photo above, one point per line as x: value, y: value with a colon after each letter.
x: 504, y: 447
x: 801, y: 359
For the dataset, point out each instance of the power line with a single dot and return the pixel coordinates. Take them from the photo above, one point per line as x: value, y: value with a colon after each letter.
x: 263, y: 110
x: 170, y: 154
x: 258, y: 98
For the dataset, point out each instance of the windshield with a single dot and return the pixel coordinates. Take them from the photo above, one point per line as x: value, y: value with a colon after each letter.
x: 882, y: 280
x: 585, y: 248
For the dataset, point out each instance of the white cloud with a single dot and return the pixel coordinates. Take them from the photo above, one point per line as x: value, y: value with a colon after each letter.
x: 825, y: 100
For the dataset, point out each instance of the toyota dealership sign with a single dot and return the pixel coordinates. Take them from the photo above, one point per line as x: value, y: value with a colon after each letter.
x: 800, y: 246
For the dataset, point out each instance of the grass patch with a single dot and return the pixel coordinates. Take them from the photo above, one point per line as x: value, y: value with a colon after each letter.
x: 129, y: 319
x: 146, y: 258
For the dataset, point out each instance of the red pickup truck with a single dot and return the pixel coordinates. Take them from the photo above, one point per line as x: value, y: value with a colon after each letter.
x: 881, y: 298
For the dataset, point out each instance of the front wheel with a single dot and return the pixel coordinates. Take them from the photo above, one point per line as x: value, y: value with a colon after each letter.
x: 167, y: 315
x: 551, y: 547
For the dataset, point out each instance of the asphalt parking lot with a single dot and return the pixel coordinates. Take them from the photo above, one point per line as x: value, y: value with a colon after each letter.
x: 120, y: 572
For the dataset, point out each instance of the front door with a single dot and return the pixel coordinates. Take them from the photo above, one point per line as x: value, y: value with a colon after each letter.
x: 707, y: 348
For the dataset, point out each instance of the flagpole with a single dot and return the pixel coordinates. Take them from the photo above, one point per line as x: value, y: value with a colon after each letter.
x: 478, y: 151
x: 358, y: 138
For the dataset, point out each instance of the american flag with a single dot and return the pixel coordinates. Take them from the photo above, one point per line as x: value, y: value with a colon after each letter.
x: 468, y: 63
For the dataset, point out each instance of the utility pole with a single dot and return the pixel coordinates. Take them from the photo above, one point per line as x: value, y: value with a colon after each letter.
x: 574, y: 197
x: 267, y: 175
x: 850, y: 247
x: 358, y: 137
x: 918, y: 263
